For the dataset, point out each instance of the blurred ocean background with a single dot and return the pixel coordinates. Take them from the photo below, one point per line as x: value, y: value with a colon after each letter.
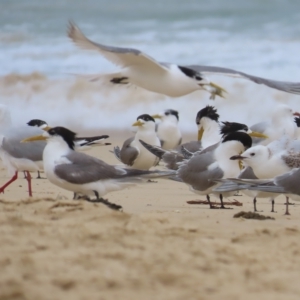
x: 37, y: 59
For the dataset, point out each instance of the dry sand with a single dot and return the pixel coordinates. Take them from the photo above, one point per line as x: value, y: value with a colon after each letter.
x: 160, y: 247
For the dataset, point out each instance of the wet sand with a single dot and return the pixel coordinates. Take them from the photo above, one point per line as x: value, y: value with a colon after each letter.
x: 160, y: 247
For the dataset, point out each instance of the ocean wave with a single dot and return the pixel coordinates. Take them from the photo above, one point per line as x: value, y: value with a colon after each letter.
x: 82, y: 105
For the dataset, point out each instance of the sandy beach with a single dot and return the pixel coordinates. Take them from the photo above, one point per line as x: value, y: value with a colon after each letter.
x: 159, y: 247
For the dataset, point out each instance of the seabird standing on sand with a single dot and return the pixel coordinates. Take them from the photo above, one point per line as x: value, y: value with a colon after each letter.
x: 132, y: 153
x: 167, y: 130
x: 200, y: 171
x: 282, y: 122
x: 81, y: 143
x: 84, y: 174
x: 172, y: 80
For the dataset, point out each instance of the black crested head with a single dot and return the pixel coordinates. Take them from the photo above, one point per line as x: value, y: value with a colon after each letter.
x: 36, y: 123
x: 146, y: 118
x: 297, y: 121
x: 209, y: 112
x: 172, y: 112
x: 66, y: 134
x: 191, y: 73
x: 228, y: 127
x: 242, y: 137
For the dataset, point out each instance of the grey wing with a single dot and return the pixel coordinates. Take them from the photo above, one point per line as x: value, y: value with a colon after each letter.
x: 123, y: 57
x: 192, y: 146
x: 128, y: 154
x: 230, y: 185
x: 13, y: 146
x: 289, y: 181
x: 85, y: 169
x: 92, y: 140
x: 197, y: 174
x: 117, y: 152
x: 289, y: 87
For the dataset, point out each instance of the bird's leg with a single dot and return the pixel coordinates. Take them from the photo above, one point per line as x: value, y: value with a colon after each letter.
x: 273, y: 202
x: 222, y: 204
x: 287, y: 206
x: 210, y: 205
x: 75, y: 196
x: 9, y: 182
x: 254, y: 204
x: 105, y: 202
x: 24, y: 174
x: 28, y: 178
x: 289, y: 203
x: 39, y: 176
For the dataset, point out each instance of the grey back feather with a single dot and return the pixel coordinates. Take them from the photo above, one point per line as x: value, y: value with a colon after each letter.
x: 195, y: 172
x: 128, y: 154
x: 85, y: 169
x: 13, y: 146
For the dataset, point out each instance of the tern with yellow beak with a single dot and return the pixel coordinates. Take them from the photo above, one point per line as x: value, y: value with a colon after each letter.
x: 132, y: 152
x: 82, y: 173
x: 167, y: 129
x: 81, y: 143
x: 17, y: 156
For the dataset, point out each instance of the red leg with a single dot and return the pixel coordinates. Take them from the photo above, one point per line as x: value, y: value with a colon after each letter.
x: 9, y: 182
x: 28, y: 177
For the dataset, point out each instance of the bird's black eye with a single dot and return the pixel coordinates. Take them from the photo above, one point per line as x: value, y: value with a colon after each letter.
x: 252, y: 154
x: 167, y: 113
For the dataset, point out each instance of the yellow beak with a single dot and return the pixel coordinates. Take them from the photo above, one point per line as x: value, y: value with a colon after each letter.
x: 156, y: 116
x: 47, y: 128
x: 34, y: 138
x: 138, y: 123
x: 200, y: 133
x: 258, y: 135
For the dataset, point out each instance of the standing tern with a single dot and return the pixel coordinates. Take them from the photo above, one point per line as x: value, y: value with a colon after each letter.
x: 172, y: 80
x: 167, y: 130
x: 82, y: 173
x: 282, y: 122
x: 17, y: 156
x: 81, y: 143
x: 132, y: 153
x: 287, y: 183
x: 248, y: 174
x: 213, y: 163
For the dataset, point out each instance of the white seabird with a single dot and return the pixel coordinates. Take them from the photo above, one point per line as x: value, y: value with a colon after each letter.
x: 81, y: 143
x: 84, y: 174
x: 247, y: 173
x: 287, y: 184
x: 19, y: 157
x: 172, y: 80
x: 132, y: 153
x: 210, y: 132
x: 213, y: 163
x: 167, y: 130
x: 282, y: 122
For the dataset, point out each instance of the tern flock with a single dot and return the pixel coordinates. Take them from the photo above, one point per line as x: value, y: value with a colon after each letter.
x: 262, y: 160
